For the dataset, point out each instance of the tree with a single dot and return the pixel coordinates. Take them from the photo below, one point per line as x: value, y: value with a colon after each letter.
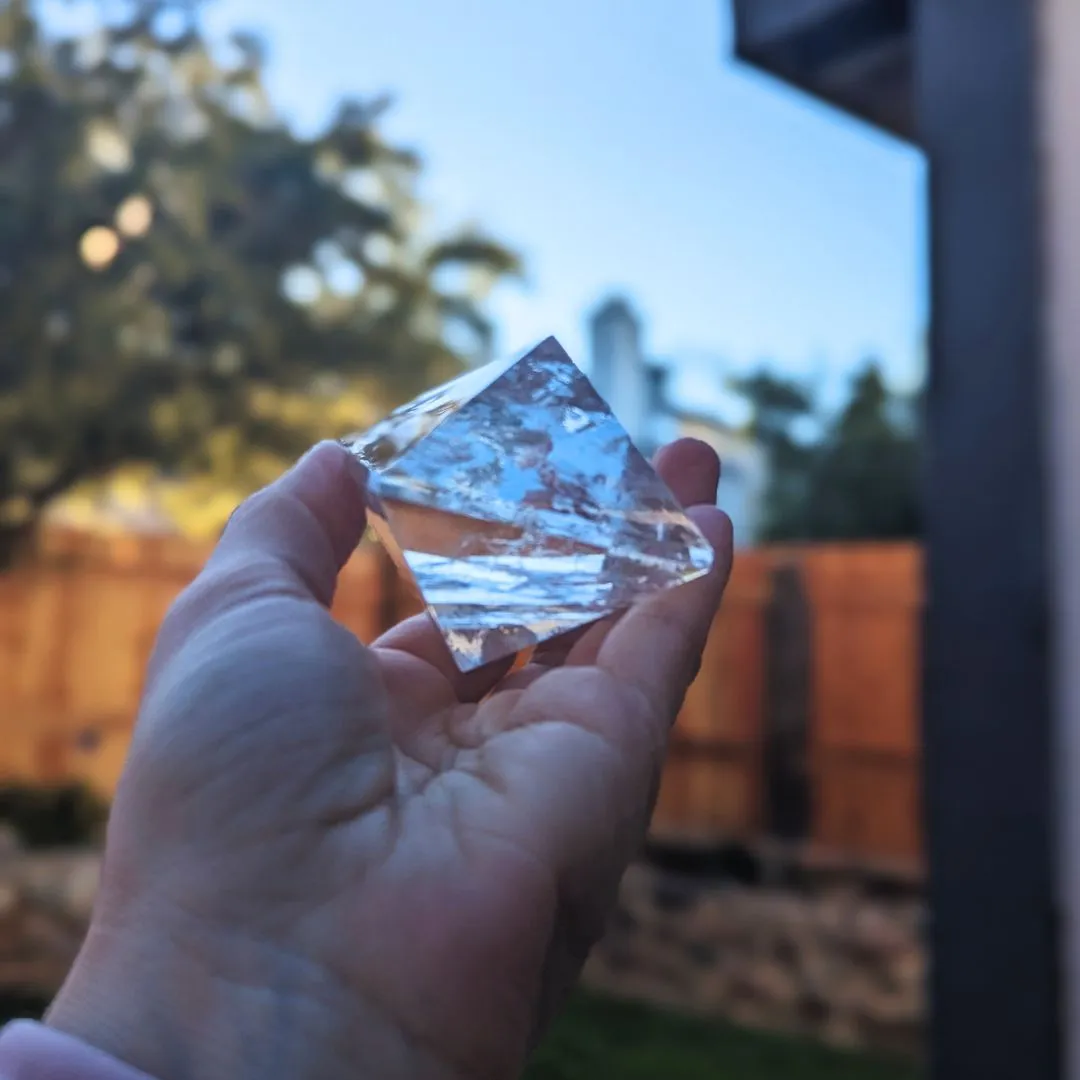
x: 186, y: 283
x: 858, y: 479
x: 777, y: 407
x: 864, y: 482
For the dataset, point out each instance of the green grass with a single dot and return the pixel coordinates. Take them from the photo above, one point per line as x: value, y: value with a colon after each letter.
x: 600, y: 1039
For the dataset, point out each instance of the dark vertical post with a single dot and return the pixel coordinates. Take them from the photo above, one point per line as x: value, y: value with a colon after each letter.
x: 787, y: 707
x: 988, y: 716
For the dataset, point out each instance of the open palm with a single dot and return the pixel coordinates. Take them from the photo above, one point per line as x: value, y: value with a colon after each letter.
x: 355, y: 860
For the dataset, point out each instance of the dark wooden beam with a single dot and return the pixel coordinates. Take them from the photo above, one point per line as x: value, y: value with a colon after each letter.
x: 854, y: 54
x: 989, y: 720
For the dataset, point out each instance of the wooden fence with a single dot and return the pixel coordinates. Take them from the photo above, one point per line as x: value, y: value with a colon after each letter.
x: 802, y: 725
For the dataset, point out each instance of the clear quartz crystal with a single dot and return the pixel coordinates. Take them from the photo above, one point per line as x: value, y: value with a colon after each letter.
x: 520, y: 507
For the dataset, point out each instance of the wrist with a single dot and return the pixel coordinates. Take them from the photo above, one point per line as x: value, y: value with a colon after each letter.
x: 182, y: 1011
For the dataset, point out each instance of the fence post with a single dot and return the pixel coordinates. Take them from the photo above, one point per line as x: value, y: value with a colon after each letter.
x: 786, y: 716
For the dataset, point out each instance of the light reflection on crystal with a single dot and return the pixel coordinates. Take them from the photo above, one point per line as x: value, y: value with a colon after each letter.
x: 521, y: 508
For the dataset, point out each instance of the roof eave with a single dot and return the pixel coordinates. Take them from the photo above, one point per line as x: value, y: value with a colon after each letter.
x: 853, y: 54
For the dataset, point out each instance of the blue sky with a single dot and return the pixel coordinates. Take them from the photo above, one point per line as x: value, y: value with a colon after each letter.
x: 617, y: 146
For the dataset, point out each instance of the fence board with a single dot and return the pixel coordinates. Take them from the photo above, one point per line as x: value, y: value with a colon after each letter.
x: 706, y: 797
x: 866, y: 607
x: 867, y: 807
x: 724, y: 702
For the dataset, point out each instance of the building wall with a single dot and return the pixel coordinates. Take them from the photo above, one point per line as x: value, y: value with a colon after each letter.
x: 635, y: 390
x: 743, y: 474
x: 619, y: 371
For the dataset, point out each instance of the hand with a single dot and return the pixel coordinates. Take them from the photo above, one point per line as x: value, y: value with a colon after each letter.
x: 326, y: 859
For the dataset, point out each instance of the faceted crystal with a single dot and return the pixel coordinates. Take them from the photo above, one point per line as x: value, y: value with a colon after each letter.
x: 520, y: 507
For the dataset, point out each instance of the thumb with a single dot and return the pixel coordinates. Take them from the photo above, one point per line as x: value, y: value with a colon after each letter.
x: 290, y: 539
x: 303, y: 527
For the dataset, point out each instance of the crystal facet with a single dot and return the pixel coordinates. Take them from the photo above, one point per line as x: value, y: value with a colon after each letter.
x: 520, y: 507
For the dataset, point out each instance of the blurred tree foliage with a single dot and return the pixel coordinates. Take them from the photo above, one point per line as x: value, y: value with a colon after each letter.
x: 188, y: 285
x: 852, y: 476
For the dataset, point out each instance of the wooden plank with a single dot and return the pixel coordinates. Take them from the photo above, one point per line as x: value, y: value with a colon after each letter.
x: 38, y: 657
x: 13, y: 596
x: 702, y: 795
x: 867, y: 610
x: 867, y: 807
x: 725, y: 700
x: 103, y: 671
